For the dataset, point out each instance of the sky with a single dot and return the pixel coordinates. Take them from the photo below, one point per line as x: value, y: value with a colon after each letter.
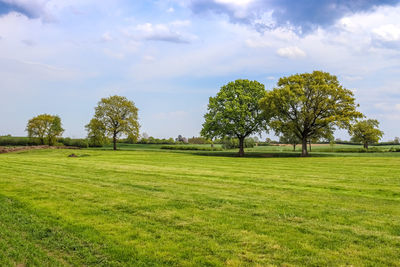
x: 169, y: 56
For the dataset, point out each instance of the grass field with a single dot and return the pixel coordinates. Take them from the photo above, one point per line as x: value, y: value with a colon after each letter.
x: 151, y: 207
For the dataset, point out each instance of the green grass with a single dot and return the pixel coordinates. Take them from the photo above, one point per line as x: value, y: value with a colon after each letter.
x: 153, y: 207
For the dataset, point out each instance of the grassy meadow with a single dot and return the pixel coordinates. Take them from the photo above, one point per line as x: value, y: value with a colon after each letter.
x: 143, y: 206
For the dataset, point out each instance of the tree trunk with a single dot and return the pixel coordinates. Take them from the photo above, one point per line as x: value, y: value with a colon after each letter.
x: 366, y: 145
x: 304, y: 152
x: 241, y: 147
x: 310, y: 144
x: 115, y: 141
x: 294, y: 146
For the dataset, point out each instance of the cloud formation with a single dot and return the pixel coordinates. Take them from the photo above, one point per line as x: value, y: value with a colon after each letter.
x: 292, y: 52
x: 30, y: 8
x: 162, y: 32
x: 303, y: 15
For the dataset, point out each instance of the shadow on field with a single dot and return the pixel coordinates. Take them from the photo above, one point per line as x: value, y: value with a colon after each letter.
x: 255, y: 154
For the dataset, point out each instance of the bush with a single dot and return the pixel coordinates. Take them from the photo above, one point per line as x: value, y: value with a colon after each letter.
x: 156, y: 141
x: 394, y: 149
x: 231, y: 143
x: 18, y: 141
x: 82, y: 143
x: 198, y: 140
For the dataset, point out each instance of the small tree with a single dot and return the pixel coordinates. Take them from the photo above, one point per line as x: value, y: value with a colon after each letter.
x: 45, y: 127
x: 289, y: 137
x: 308, y: 104
x: 366, y: 132
x: 96, y: 133
x: 235, y: 112
x: 114, y: 116
x: 396, y: 140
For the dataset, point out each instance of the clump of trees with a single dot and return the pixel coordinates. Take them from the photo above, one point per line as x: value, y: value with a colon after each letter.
x: 366, y: 132
x: 235, y: 112
x: 309, y: 105
x: 114, y: 116
x: 46, y: 128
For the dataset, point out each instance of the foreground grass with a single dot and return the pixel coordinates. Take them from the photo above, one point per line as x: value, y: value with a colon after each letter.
x: 163, y: 208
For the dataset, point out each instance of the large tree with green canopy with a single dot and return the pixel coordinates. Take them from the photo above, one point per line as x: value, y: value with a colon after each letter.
x: 310, y: 104
x: 366, y: 132
x: 45, y: 127
x: 235, y: 112
x: 114, y: 115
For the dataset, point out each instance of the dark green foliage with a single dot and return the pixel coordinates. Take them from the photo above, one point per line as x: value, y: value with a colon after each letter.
x: 18, y: 141
x: 198, y: 140
x: 114, y: 116
x: 155, y: 141
x: 310, y: 105
x: 82, y: 143
x: 235, y: 112
x: 366, y: 132
x: 394, y: 149
x: 96, y: 133
x: 231, y: 143
x: 26, y: 141
x: 188, y: 147
x: 47, y: 128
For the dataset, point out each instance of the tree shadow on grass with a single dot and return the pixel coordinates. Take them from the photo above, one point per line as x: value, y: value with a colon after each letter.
x: 232, y: 154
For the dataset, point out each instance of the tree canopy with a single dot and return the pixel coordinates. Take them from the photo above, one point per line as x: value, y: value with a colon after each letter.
x: 45, y: 127
x: 366, y: 132
x: 235, y: 112
x: 114, y: 116
x: 310, y: 105
x: 96, y: 133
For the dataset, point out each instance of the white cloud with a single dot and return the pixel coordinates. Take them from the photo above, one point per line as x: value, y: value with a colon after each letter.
x: 33, y: 8
x: 388, y: 32
x: 258, y: 43
x: 148, y: 58
x: 241, y: 3
x: 181, y: 23
x: 106, y: 37
x: 291, y: 52
x: 162, y: 32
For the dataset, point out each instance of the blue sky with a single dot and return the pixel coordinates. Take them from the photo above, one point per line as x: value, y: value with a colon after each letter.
x: 62, y: 56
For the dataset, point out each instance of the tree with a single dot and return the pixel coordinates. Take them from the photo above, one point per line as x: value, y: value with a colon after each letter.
x: 366, y: 132
x: 45, y: 127
x: 289, y: 137
x: 308, y: 104
x: 181, y: 139
x: 396, y: 140
x: 114, y: 116
x: 323, y: 134
x: 235, y: 112
x: 96, y: 133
